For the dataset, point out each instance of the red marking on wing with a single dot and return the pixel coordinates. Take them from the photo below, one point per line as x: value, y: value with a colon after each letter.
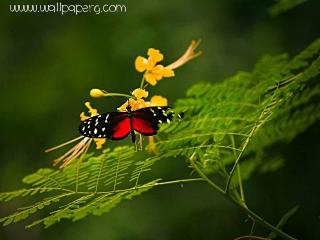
x: 121, y: 129
x: 143, y: 126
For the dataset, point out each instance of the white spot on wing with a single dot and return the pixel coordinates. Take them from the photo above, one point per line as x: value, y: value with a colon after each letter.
x: 154, y: 114
x: 106, y: 120
x: 160, y: 121
x: 164, y: 112
x: 168, y: 120
x: 103, y: 129
x: 95, y: 131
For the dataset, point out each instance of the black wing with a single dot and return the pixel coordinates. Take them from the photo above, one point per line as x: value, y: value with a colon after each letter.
x: 113, y: 125
x: 146, y: 120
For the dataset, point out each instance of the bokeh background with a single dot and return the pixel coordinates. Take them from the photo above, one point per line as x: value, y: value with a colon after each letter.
x: 49, y: 62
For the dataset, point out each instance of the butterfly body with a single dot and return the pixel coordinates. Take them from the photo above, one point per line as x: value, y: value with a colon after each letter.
x: 118, y: 125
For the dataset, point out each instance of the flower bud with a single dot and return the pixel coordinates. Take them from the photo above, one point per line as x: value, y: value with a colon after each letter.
x: 96, y: 93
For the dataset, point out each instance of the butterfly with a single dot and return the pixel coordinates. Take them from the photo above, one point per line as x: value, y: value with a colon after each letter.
x: 118, y: 125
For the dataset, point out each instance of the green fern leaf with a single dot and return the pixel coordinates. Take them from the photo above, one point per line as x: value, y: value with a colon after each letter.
x: 236, y: 119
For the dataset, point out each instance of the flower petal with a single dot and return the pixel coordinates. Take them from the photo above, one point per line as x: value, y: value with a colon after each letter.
x: 99, y: 142
x: 141, y: 64
x: 167, y: 72
x: 151, y: 78
x: 140, y: 93
x: 91, y: 110
x: 135, y: 105
x: 154, y: 55
x: 159, y: 101
x: 83, y: 117
x: 157, y: 72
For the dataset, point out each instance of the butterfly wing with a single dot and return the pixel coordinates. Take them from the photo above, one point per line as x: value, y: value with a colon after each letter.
x: 146, y: 120
x: 113, y: 125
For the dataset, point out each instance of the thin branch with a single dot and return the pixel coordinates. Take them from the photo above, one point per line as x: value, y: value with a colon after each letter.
x: 215, y: 186
x: 192, y: 136
x: 251, y: 237
x: 238, y: 172
x: 146, y: 186
x: 250, y: 213
x: 258, y: 124
x: 252, y: 226
x: 204, y: 146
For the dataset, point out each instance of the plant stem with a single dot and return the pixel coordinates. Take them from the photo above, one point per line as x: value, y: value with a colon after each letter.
x: 245, y: 144
x: 142, y: 82
x: 143, y: 186
x: 211, y: 183
x: 258, y: 124
x: 251, y: 237
x: 117, y: 95
x: 266, y: 224
x: 238, y: 171
x: 242, y: 206
x: 179, y: 181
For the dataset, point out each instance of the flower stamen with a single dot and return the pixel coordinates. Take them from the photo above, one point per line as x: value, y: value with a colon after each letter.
x: 188, y: 55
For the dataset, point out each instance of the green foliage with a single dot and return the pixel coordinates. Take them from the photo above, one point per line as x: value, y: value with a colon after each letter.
x: 283, y: 6
x: 221, y: 119
x: 93, y: 186
x: 227, y: 129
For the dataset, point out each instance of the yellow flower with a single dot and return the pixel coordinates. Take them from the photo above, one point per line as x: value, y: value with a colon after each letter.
x: 142, y: 64
x: 135, y: 105
x: 140, y: 93
x: 99, y: 142
x: 140, y: 103
x: 91, y: 110
x: 153, y: 72
x: 158, y: 101
x: 157, y: 73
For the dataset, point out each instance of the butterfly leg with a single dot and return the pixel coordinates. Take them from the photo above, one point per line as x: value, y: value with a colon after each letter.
x: 140, y: 141
x: 133, y: 136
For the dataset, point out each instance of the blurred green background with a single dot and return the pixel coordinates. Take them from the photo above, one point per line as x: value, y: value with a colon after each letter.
x: 49, y: 62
